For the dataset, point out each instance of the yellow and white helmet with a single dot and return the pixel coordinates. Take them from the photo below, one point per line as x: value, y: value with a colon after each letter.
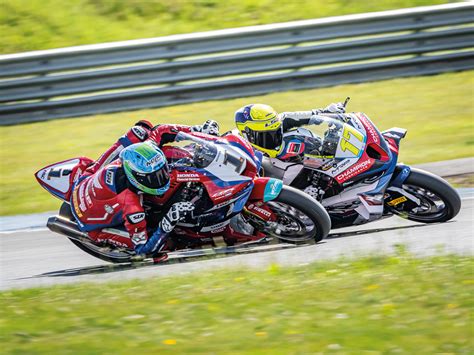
x: 261, y: 125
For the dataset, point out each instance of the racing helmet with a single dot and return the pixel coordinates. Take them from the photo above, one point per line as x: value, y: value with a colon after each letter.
x: 146, y: 167
x: 261, y: 125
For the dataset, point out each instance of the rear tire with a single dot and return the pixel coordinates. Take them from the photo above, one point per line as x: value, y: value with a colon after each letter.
x: 428, y: 188
x: 310, y: 207
x: 104, y: 253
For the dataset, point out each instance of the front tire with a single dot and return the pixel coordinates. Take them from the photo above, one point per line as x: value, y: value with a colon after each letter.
x: 439, y: 202
x: 298, y: 208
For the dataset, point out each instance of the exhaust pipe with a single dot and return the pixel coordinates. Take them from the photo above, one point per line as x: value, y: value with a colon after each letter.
x: 65, y: 227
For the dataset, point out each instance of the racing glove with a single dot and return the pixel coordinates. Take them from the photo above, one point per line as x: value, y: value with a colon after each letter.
x: 157, y: 241
x: 209, y: 127
x: 177, y: 212
x: 332, y: 108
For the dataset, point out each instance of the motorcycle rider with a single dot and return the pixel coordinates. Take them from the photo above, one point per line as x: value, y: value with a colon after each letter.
x: 264, y: 128
x: 110, y: 192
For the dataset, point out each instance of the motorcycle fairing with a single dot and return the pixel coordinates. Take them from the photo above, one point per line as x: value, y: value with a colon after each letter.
x: 266, y: 189
x: 58, y: 178
x: 364, y: 163
x: 335, y: 147
x: 226, y: 169
x: 403, y: 171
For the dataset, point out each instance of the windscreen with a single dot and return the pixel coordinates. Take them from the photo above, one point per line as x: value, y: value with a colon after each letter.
x: 325, y: 138
x: 334, y: 139
x: 219, y: 159
x: 188, y: 150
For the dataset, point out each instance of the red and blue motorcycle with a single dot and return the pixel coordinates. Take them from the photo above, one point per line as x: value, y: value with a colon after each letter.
x: 220, y: 176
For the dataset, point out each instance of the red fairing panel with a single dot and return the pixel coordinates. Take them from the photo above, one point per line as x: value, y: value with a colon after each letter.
x: 258, y: 191
x: 373, y: 137
x: 392, y: 145
x: 372, y: 134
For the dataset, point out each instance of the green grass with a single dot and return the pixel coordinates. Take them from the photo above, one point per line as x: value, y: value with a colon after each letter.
x: 374, y: 305
x: 437, y: 111
x: 40, y: 24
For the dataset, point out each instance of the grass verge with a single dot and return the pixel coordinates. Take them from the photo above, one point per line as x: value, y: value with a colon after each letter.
x: 395, y: 304
x: 42, y: 24
x: 437, y: 111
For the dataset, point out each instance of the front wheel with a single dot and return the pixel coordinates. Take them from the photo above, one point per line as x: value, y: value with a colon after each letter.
x: 437, y: 200
x: 299, y: 217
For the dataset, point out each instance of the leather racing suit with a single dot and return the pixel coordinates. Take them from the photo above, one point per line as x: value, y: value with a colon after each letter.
x: 103, y: 198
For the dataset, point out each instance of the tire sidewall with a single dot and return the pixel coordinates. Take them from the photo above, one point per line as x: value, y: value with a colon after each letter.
x: 309, y: 206
x: 440, y: 187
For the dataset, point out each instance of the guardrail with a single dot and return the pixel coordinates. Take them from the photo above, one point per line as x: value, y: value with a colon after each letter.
x: 164, y: 71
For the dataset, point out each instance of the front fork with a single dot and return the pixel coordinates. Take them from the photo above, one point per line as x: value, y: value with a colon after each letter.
x: 396, y: 194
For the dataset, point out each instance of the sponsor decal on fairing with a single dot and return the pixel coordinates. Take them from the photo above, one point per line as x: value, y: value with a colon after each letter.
x: 216, y: 227
x: 272, y: 189
x: 259, y: 210
x: 354, y: 170
x: 341, y: 166
x: 369, y: 128
x: 88, y: 198
x: 222, y: 194
x: 185, y: 177
x: 397, y: 201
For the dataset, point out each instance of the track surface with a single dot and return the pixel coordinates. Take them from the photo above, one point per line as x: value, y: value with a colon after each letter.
x: 41, y: 258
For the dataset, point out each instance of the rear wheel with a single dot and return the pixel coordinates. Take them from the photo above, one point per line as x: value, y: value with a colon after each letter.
x: 438, y: 201
x: 300, y: 218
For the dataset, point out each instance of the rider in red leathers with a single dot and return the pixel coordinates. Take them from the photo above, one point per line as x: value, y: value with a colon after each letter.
x: 110, y: 192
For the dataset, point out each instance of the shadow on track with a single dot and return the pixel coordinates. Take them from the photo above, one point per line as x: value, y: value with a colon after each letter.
x: 376, y: 230
x: 205, y: 254
x: 174, y: 258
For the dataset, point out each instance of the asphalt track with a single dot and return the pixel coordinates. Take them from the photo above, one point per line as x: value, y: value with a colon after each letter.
x: 34, y: 258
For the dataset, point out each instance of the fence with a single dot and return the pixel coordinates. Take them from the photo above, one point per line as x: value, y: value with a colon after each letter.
x: 164, y: 71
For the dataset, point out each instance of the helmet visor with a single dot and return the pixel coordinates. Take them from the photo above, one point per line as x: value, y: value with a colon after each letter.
x: 265, y: 139
x: 154, y: 180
